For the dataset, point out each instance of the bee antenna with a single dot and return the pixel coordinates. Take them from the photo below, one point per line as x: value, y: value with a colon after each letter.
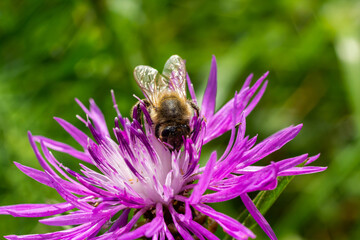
x: 139, y: 99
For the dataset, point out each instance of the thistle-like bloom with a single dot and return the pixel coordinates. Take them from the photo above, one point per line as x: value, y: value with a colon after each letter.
x: 132, y: 186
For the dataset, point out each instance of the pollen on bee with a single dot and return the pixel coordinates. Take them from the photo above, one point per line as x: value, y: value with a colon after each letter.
x: 181, y: 171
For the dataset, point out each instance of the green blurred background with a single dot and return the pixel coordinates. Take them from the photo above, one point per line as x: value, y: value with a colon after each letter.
x: 54, y: 51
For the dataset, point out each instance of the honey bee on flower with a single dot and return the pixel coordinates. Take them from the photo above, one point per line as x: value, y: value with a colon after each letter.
x: 170, y: 111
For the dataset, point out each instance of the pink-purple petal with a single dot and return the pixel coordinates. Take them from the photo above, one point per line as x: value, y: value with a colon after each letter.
x: 191, y: 225
x: 68, y: 196
x: 64, y: 234
x: 301, y: 171
x: 247, y: 82
x: 178, y: 225
x: 264, y: 179
x: 62, y: 147
x: 35, y: 174
x: 270, y: 145
x: 209, y: 99
x: 191, y: 89
x: 121, y: 221
x: 78, y: 217
x: 230, y: 225
x: 91, y: 231
x: 255, y: 100
x: 312, y: 159
x: 196, y: 227
x: 77, y: 134
x: 204, y: 180
x: 257, y: 216
x: 148, y: 229
x: 221, y: 121
x: 36, y: 210
x: 125, y: 229
x: 96, y: 115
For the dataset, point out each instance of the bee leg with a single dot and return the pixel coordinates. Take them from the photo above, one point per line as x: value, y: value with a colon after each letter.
x: 195, y: 107
x: 136, y: 111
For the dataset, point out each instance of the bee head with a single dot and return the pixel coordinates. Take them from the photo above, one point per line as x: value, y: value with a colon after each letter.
x: 173, y: 135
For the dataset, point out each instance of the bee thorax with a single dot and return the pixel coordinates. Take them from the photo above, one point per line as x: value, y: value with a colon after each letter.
x: 172, y: 108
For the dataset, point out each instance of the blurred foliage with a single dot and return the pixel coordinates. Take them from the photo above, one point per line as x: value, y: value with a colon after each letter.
x: 54, y: 51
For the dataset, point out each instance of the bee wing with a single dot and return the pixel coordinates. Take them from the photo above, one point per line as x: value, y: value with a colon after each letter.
x: 150, y: 82
x: 175, y: 72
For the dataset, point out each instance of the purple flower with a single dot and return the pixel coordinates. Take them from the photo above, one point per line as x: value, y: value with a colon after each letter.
x: 162, y: 190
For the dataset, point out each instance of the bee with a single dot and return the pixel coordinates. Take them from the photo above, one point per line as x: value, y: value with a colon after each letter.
x: 170, y: 111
